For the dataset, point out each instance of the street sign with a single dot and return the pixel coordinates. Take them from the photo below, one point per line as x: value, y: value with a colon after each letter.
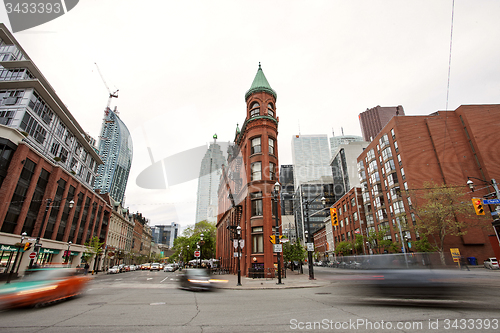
x: 278, y: 248
x: 32, y: 255
x: 235, y: 243
x: 235, y: 254
x: 242, y: 243
x: 310, y: 247
x: 455, y: 253
x: 197, y: 254
x: 491, y: 201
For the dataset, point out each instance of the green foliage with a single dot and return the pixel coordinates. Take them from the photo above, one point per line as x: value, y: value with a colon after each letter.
x: 343, y: 248
x: 293, y: 252
x: 190, y: 237
x: 358, y: 244
x: 94, y: 248
x: 422, y: 245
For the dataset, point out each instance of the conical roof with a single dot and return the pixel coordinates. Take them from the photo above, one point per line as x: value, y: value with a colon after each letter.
x: 260, y: 84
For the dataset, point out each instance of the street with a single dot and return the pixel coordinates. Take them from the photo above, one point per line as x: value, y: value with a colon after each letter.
x: 143, y: 301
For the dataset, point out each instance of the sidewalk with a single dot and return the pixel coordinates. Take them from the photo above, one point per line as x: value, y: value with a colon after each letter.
x: 292, y: 280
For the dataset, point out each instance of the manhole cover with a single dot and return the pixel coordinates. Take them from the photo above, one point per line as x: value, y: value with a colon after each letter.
x: 98, y: 303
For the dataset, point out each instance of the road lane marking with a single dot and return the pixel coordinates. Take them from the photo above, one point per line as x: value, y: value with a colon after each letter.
x: 164, y: 279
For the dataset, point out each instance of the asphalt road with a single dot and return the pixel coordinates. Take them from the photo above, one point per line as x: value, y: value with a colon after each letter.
x: 144, y: 301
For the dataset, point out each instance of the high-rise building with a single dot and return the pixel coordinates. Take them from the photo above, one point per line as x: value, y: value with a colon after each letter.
x: 208, y: 183
x: 344, y: 167
x: 374, y: 119
x: 115, y: 148
x: 445, y: 147
x: 246, y: 189
x: 338, y: 140
x: 287, y: 193
x: 311, y: 157
x: 165, y: 234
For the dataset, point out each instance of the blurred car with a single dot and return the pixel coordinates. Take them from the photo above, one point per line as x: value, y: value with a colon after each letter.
x: 43, y: 286
x: 155, y: 267
x: 169, y: 268
x: 132, y: 267
x: 491, y: 263
x: 161, y: 266
x: 114, y: 270
x: 195, y: 279
x: 145, y: 266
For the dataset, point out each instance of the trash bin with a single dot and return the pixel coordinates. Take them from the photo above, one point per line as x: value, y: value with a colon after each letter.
x: 472, y: 261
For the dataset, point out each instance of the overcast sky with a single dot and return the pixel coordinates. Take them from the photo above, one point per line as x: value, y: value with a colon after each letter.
x: 182, y: 69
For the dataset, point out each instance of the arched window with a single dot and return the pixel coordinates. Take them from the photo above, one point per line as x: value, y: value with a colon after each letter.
x: 255, y: 110
x: 270, y: 110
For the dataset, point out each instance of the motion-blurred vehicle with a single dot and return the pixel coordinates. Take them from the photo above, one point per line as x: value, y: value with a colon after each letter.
x: 155, y: 267
x: 195, y: 279
x: 145, y: 266
x: 43, y: 286
x: 169, y: 268
x: 114, y: 270
x: 161, y: 266
x: 491, y: 263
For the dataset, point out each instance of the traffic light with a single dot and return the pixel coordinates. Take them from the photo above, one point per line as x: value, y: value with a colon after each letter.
x: 272, y: 239
x: 333, y: 214
x: 27, y: 246
x: 478, y: 206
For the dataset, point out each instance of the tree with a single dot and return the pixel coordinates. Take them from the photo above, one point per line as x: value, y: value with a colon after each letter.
x: 442, y: 211
x: 343, y: 248
x: 358, y: 243
x: 294, y: 252
x: 94, y: 247
x: 191, y: 236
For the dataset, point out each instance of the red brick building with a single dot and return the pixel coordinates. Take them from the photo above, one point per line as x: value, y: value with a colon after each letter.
x: 33, y: 188
x: 443, y: 147
x: 320, y: 244
x: 351, y: 216
x: 245, y: 193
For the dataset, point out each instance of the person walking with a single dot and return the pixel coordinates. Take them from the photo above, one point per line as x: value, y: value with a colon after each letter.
x: 86, y: 268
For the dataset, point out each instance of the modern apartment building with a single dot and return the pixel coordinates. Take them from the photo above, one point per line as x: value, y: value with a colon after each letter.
x: 344, y: 166
x: 115, y: 148
x: 208, y: 183
x: 338, y: 140
x: 445, y: 147
x: 374, y: 119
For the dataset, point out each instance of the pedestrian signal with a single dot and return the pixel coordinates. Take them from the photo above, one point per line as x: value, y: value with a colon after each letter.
x: 478, y: 206
x: 333, y: 214
x: 27, y: 246
x: 272, y: 239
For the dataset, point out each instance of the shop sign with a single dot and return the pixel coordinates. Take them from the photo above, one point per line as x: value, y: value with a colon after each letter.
x: 8, y: 248
x: 50, y: 251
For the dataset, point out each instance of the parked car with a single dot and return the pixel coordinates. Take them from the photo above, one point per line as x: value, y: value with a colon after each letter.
x: 491, y: 263
x: 43, y: 286
x: 195, y: 279
x: 169, y: 268
x: 114, y: 270
x: 155, y: 267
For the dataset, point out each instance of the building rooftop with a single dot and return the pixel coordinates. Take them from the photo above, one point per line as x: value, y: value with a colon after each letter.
x: 260, y: 84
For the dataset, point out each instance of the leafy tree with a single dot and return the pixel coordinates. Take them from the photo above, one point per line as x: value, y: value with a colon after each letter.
x: 293, y: 252
x: 95, y: 249
x: 191, y: 237
x: 422, y: 245
x: 343, y: 248
x: 442, y: 211
x: 358, y: 243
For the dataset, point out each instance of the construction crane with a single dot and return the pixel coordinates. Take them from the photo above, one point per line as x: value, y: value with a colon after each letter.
x: 111, y: 95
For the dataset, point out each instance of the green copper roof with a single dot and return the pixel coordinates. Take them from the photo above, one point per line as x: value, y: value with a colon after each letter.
x: 260, y: 84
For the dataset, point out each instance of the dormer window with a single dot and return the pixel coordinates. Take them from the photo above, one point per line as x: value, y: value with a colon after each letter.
x: 270, y: 110
x: 255, y: 110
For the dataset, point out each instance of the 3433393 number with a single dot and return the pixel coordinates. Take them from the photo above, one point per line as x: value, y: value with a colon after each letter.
x: 33, y: 8
x: 471, y: 324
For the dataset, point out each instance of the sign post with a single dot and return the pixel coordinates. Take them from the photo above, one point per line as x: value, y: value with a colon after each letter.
x: 197, y: 254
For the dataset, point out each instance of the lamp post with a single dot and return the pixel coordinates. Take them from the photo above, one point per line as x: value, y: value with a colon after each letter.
x: 187, y: 258
x: 493, y: 183
x: 67, y: 252
x: 308, y: 236
x: 201, y: 244
x: 24, y: 234
x: 238, y: 231
x: 276, y: 192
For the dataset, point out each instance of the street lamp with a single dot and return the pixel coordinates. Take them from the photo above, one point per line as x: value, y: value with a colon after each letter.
x: 201, y: 243
x: 67, y: 252
x: 238, y: 232
x: 276, y: 192
x: 19, y: 245
x: 308, y: 236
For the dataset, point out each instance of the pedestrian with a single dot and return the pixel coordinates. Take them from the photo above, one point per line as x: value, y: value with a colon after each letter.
x: 86, y: 268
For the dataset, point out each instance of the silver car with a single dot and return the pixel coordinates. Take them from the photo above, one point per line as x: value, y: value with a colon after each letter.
x: 491, y: 263
x: 114, y: 270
